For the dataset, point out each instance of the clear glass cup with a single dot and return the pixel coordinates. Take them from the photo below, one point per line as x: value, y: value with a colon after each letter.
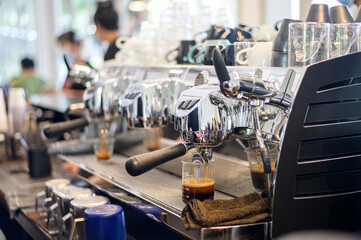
x: 256, y: 164
x: 344, y: 39
x: 103, y: 149
x: 308, y: 43
x: 198, y: 180
x: 104, y: 145
x: 152, y: 138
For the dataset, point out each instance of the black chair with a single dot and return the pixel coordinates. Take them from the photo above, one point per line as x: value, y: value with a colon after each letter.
x: 318, y: 179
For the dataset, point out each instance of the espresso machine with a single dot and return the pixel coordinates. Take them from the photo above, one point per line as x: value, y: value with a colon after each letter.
x: 155, y: 103
x: 309, y: 113
x: 101, y: 99
x: 151, y: 103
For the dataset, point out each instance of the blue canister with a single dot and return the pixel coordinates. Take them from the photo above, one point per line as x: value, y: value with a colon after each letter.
x: 105, y: 222
x: 149, y: 209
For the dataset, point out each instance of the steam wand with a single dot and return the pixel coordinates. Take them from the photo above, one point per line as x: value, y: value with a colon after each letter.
x: 256, y: 96
x: 265, y: 156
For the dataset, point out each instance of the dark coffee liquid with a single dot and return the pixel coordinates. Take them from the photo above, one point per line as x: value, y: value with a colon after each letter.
x: 201, y: 189
x: 258, y: 176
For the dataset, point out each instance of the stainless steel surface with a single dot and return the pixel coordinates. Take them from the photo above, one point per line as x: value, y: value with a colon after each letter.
x: 77, y: 208
x: 58, y: 103
x: 270, y: 86
x: 157, y: 187
x: 246, y: 231
x: 103, y: 99
x: 86, y: 202
x: 151, y: 103
x: 52, y: 184
x: 204, y: 116
x: 81, y: 74
x: 65, y: 195
x: 18, y: 188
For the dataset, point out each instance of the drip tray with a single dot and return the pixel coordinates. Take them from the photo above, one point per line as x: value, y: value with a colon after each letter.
x: 232, y: 175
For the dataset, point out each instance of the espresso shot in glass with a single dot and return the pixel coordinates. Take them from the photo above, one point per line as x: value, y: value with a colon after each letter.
x: 104, y: 145
x: 197, y: 180
x: 152, y: 138
x: 103, y: 148
x: 256, y: 164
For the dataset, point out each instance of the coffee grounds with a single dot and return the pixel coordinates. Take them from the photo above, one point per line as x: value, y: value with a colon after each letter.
x: 209, y: 213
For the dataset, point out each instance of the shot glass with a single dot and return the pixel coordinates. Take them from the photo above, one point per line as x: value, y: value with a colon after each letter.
x: 152, y: 137
x: 308, y: 43
x: 198, y: 180
x: 104, y: 148
x: 104, y: 145
x: 256, y: 164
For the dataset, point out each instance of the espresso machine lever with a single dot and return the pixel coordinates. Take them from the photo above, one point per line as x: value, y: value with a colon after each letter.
x: 247, y: 87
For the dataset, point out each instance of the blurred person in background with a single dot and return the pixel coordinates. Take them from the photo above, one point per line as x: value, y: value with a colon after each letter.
x: 71, y: 46
x: 107, y: 27
x: 28, y: 80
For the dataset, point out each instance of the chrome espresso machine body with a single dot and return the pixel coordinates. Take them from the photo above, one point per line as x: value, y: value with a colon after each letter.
x: 102, y: 99
x: 310, y: 113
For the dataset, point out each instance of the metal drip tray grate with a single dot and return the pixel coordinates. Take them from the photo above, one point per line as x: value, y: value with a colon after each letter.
x: 232, y: 175
x: 161, y: 188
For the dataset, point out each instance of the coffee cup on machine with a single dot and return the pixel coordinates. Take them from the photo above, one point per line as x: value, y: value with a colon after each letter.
x: 196, y: 54
x: 319, y: 13
x: 198, y: 179
x: 257, y: 56
x: 106, y: 222
x: 256, y: 164
x: 207, y: 55
x: 280, y: 46
x: 228, y: 54
x: 341, y: 14
x: 180, y: 54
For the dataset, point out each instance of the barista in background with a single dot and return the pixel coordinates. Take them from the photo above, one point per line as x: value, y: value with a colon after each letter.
x: 106, y: 21
x: 71, y: 45
x: 28, y: 80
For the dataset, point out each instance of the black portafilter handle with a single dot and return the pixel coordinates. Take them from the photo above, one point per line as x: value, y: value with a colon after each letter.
x: 220, y: 67
x: 142, y: 163
x: 56, y: 129
x: 254, y: 90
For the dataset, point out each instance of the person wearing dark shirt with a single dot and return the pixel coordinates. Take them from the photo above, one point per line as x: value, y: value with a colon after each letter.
x: 106, y: 22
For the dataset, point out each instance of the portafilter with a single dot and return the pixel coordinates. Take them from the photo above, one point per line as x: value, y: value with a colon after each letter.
x: 102, y: 100
x: 204, y: 118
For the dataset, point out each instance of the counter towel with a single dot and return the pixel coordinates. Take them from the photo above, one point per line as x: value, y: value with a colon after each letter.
x: 209, y: 213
